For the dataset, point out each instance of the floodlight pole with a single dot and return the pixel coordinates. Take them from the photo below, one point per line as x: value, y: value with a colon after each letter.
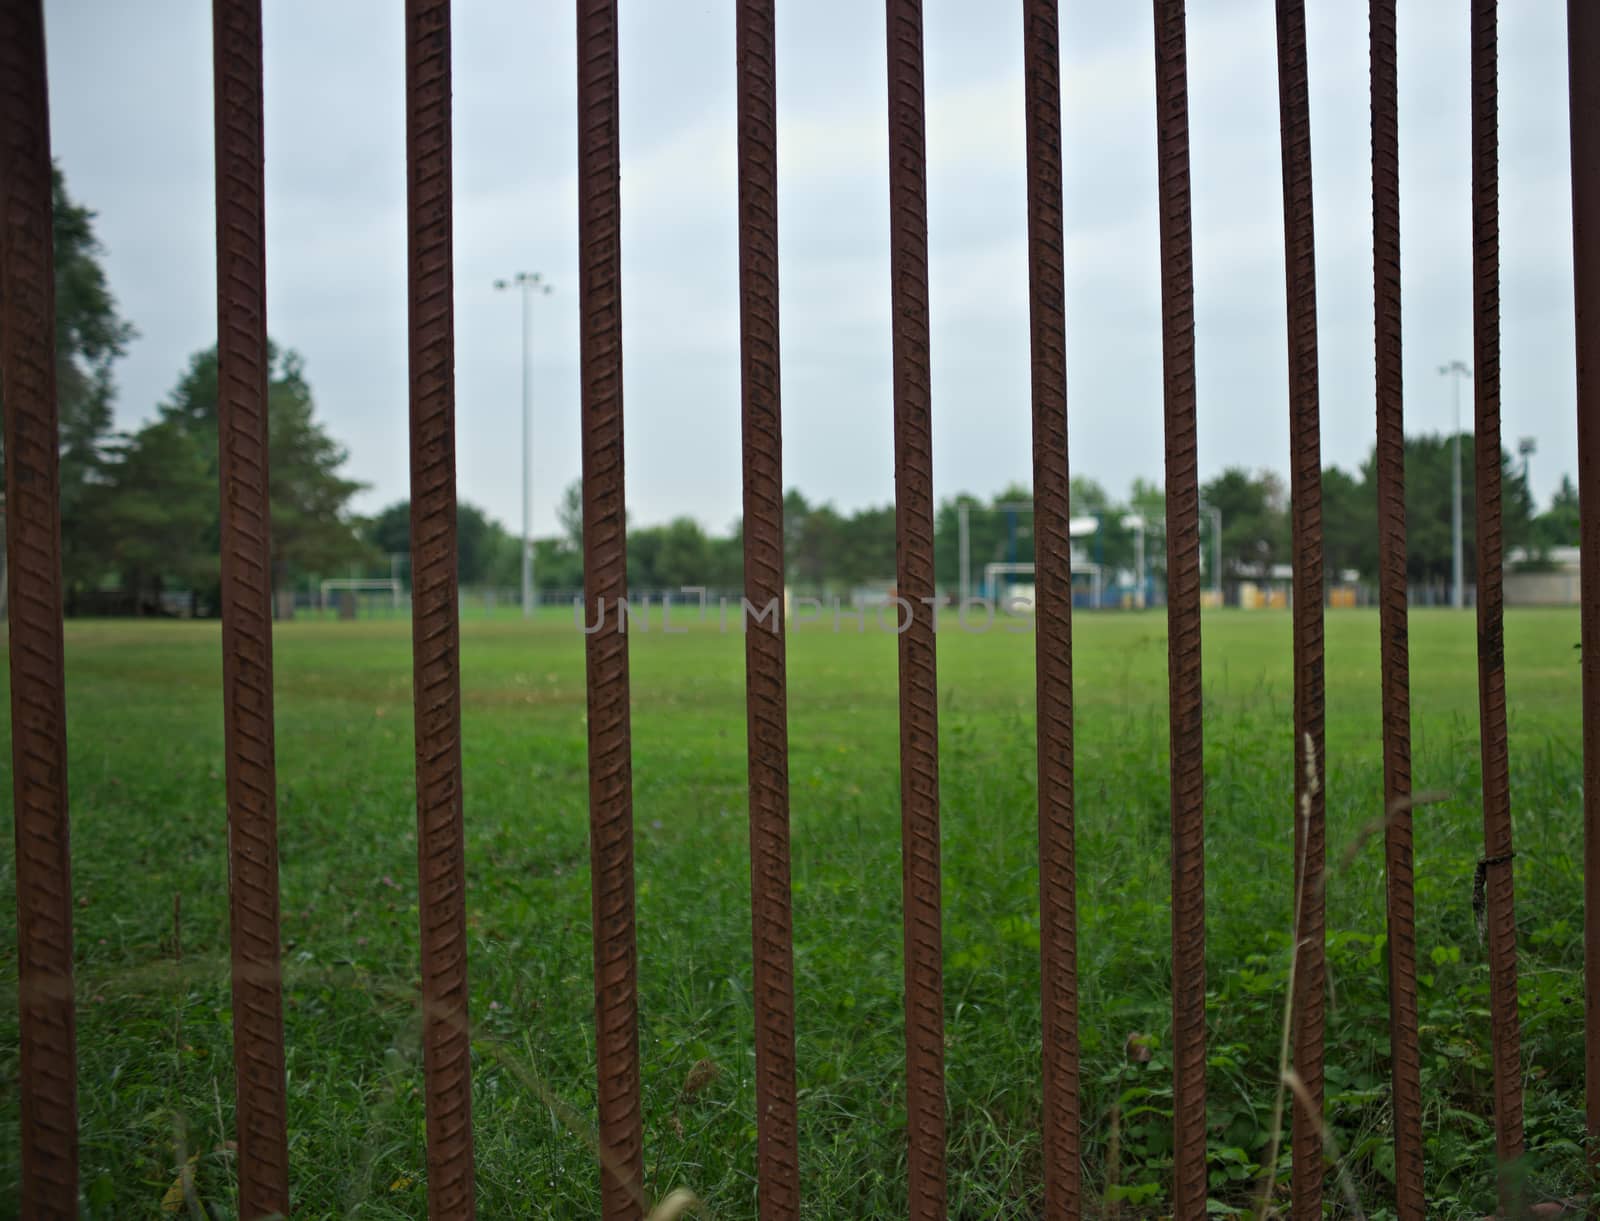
x: 1215, y: 514
x: 963, y: 552
x: 1456, y: 370
x: 530, y: 283
x: 1136, y: 523
x: 394, y: 576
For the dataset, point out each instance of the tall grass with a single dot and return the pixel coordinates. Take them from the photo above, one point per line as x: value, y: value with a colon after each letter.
x: 154, y: 1032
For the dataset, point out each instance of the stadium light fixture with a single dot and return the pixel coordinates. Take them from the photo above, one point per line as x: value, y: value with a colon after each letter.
x: 1456, y: 370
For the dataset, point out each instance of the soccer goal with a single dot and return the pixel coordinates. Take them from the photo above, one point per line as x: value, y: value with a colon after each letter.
x: 359, y: 586
x: 1015, y: 539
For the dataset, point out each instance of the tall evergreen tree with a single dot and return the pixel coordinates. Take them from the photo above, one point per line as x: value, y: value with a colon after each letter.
x: 90, y: 336
x: 313, y: 532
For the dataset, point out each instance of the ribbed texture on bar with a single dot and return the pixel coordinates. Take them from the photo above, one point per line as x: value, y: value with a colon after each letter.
x: 1583, y: 53
x: 1305, y: 495
x: 605, y: 585
x: 919, y: 714
x: 246, y: 596
x: 436, y: 647
x: 1184, y: 705
x: 1490, y: 556
x: 1404, y: 1057
x: 38, y: 698
x: 772, y: 925
x: 1058, y: 938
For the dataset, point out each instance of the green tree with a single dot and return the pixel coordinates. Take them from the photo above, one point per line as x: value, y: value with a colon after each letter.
x: 1113, y: 545
x: 644, y: 553
x: 312, y: 529
x: 156, y: 512
x: 1429, y: 461
x: 570, y: 514
x: 480, y: 542
x: 725, y: 559
x: 90, y: 336
x: 815, y: 548
x: 1349, y: 524
x: 795, y: 512
x: 389, y: 533
x: 866, y: 547
x: 663, y: 559
x: 995, y: 535
x: 557, y: 566
x: 1557, y: 526
x: 1001, y: 531
x: 1255, y: 520
x: 1149, y: 501
x: 501, y: 562
x: 486, y: 554
x: 1089, y: 495
x: 947, y: 539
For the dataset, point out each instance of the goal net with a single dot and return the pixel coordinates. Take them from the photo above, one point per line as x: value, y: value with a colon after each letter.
x: 351, y: 592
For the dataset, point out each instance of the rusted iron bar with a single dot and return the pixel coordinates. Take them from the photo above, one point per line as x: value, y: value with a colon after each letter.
x: 1184, y: 706
x: 1305, y: 464
x: 605, y: 585
x: 38, y: 697
x: 1583, y: 52
x: 919, y: 706
x: 1489, y: 558
x: 1404, y: 1056
x: 766, y: 707
x: 436, y: 646
x: 246, y: 596
x: 1058, y: 940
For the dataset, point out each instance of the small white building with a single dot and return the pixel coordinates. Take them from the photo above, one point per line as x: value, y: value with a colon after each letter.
x: 1554, y: 583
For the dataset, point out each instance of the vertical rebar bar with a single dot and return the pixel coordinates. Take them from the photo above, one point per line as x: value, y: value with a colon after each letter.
x: 48, y: 1070
x: 436, y: 646
x: 605, y: 584
x: 766, y: 708
x: 1489, y: 558
x: 1184, y: 704
x: 919, y: 709
x: 1305, y: 495
x: 1405, y: 1063
x: 246, y: 600
x: 1583, y: 82
x: 1058, y: 936
x: 1392, y: 616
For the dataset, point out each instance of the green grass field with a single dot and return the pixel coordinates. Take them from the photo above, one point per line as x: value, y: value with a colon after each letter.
x: 154, y: 1029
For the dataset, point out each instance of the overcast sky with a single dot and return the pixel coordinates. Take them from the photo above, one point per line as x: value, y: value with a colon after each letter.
x: 131, y: 126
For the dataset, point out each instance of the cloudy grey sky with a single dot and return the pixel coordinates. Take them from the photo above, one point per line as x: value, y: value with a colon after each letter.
x: 131, y: 106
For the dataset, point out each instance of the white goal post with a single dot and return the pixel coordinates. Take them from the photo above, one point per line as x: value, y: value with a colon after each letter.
x: 360, y: 585
x: 1077, y: 527
x: 1011, y: 605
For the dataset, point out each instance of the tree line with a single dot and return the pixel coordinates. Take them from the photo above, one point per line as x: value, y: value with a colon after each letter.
x: 141, y: 517
x: 140, y: 510
x: 832, y: 552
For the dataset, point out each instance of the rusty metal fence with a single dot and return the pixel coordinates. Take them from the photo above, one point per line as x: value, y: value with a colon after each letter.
x: 28, y: 364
